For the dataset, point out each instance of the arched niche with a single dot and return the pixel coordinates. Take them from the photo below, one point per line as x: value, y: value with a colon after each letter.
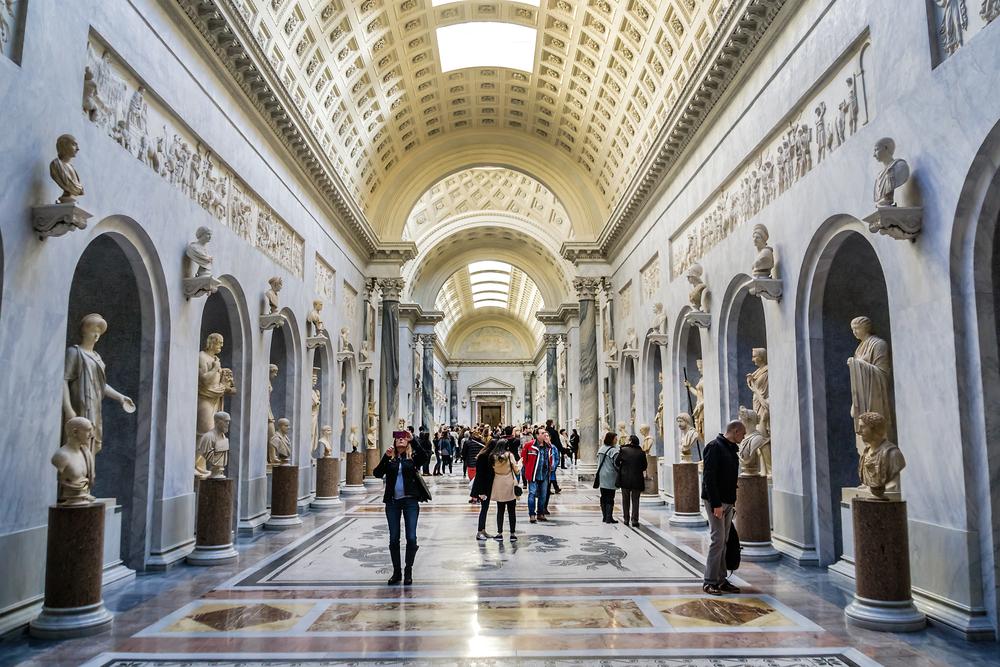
x: 654, y: 386
x: 743, y: 329
x: 847, y: 283
x: 687, y: 352
x: 286, y: 385
x: 112, y: 280
x: 629, y: 393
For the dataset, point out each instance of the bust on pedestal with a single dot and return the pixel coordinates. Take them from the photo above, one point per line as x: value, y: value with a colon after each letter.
x: 763, y: 284
x: 273, y: 319
x: 753, y: 514
x: 203, y: 282
x: 63, y: 216
x: 314, y: 322
x: 327, y: 475
x: 284, y: 481
x: 687, y: 496
x: 698, y: 297
x: 898, y: 222
x: 214, y: 538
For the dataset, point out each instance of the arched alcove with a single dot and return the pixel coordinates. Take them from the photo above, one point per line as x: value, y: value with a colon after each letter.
x: 743, y: 328
x: 283, y: 384
x: 655, y: 385
x: 686, y: 356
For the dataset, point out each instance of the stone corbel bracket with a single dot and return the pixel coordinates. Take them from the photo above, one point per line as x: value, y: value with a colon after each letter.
x: 768, y: 288
x: 313, y: 342
x: 200, y: 286
x: 611, y: 363
x: 364, y: 366
x: 58, y: 219
x: 629, y: 353
x: 272, y: 321
x: 346, y: 355
x: 899, y: 222
x: 699, y: 319
x: 661, y: 338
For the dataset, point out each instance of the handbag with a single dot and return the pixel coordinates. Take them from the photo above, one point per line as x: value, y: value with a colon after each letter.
x: 597, y: 475
x: 517, y: 487
x: 423, y: 486
x: 733, y: 549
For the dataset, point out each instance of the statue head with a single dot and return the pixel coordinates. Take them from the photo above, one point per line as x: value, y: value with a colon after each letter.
x: 760, y: 236
x: 364, y: 345
x: 759, y: 356
x: 213, y: 344
x: 67, y: 147
x: 318, y: 305
x: 275, y: 283
x: 272, y: 371
x: 862, y: 327
x: 328, y: 431
x: 92, y: 327
x: 701, y: 366
x: 315, y: 376
x: 78, y: 431
x: 621, y: 426
x: 684, y: 421
x: 644, y: 430
x: 204, y: 235
x: 884, y: 149
x: 694, y: 274
x: 750, y: 419
x: 283, y: 426
x: 345, y: 331
x: 354, y: 429
x: 222, y: 422
x: 871, y: 428
x: 657, y: 308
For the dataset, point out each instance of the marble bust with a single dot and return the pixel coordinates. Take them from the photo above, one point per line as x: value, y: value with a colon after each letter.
x: 647, y: 439
x: 764, y: 264
x: 325, y: 441
x: 881, y: 462
x: 870, y: 369
x: 622, y: 434
x: 365, y: 352
x: 198, y: 253
x: 631, y: 341
x: 689, y: 436
x: 315, y: 319
x: 659, y: 319
x: 85, y: 383
x: 214, y: 447
x: 894, y: 172
x: 63, y: 173
x: 696, y: 297
x: 272, y: 294
x: 751, y: 450
x: 279, y: 447
x: 74, y: 464
x: 352, y: 439
x: 345, y: 346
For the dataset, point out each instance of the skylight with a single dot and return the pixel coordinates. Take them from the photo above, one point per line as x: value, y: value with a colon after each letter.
x: 490, y: 284
x: 486, y: 44
x: 438, y: 3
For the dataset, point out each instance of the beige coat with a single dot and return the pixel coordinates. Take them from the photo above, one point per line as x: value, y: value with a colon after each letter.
x: 503, y: 482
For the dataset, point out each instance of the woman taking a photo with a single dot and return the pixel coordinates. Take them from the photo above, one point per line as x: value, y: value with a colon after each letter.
x: 631, y: 464
x: 606, y: 473
x: 403, y: 490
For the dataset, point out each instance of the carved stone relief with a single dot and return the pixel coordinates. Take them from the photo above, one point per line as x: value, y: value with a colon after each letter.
x: 954, y: 26
x: 350, y: 303
x: 625, y: 302
x: 12, y: 28
x: 651, y: 278
x: 325, y: 277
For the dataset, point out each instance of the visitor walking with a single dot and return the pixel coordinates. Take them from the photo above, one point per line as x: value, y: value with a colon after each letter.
x: 473, y: 445
x: 538, y: 463
x: 425, y: 444
x: 718, y: 490
x: 482, y: 485
x: 403, y: 491
x: 606, y: 473
x: 631, y: 464
x: 505, y: 468
x: 574, y: 445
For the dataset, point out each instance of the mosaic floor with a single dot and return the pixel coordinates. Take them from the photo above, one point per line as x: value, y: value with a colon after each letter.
x: 570, y: 591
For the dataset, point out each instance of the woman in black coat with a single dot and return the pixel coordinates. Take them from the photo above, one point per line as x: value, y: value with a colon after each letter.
x: 403, y: 491
x: 631, y: 464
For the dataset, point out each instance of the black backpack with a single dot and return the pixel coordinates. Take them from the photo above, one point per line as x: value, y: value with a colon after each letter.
x: 733, y: 549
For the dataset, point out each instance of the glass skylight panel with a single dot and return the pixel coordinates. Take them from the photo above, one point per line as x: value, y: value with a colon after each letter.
x: 489, y: 276
x: 487, y: 44
x: 489, y: 265
x: 495, y: 304
x: 438, y: 3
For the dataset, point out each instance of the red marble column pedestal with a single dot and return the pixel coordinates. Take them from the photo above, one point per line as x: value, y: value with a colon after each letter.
x: 687, y: 500
x: 284, y: 498
x: 214, y: 538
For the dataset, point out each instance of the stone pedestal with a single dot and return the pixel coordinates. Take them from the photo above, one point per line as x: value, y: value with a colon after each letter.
x: 114, y: 568
x: 882, y: 598
x: 284, y: 498
x: 58, y: 219
x: 372, y: 457
x: 355, y: 474
x: 651, y: 494
x: 753, y: 520
x: 327, y: 484
x: 214, y: 539
x: 687, y: 501
x: 74, y: 562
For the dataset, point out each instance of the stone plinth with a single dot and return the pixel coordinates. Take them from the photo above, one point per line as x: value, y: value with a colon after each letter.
x: 214, y: 538
x: 753, y: 520
x: 882, y: 598
x: 58, y: 219
x: 327, y: 484
x: 355, y: 474
x: 273, y: 321
x: 687, y: 500
x: 651, y: 494
x: 284, y: 498
x: 74, y: 564
x: 372, y: 457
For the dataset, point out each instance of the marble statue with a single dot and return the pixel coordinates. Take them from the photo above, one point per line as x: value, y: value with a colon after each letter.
x: 352, y: 439
x: 689, y: 436
x: 699, y: 395
x: 697, y: 296
x: 658, y: 419
x: 85, y: 381
x: 214, y: 446
x: 272, y: 294
x: 198, y: 253
x: 365, y: 352
x: 314, y: 412
x: 465, y: 402
x: 517, y: 402
x: 622, y: 434
x: 764, y: 264
x: 325, y: 441
x: 870, y: 369
x: 279, y: 447
x: 894, y: 173
x: 754, y: 453
x: 631, y: 340
x: 758, y: 383
x: 74, y: 463
x: 372, y: 426
x: 659, y: 319
x: 345, y: 346
x: 612, y: 350
x: 343, y: 406
x: 64, y: 173
x: 990, y: 10
x: 315, y: 319
x: 881, y: 460
x: 92, y: 103
x: 272, y: 372
x: 647, y: 439
x: 954, y: 19
x: 212, y: 389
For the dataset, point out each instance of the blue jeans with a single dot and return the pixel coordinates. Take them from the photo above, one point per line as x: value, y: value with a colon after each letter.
x: 408, y: 509
x: 539, y: 490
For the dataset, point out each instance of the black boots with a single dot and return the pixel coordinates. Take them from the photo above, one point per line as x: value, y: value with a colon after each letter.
x: 606, y: 510
x: 411, y: 553
x: 394, y: 553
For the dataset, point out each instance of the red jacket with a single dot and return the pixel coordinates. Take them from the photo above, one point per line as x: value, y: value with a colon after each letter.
x: 533, y: 462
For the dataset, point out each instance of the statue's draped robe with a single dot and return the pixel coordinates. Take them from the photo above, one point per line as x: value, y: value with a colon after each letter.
x: 758, y: 383
x: 870, y: 368
x: 86, y: 380
x: 211, y: 393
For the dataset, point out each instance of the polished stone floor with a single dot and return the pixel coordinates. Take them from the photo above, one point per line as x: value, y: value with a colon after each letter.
x: 569, y: 591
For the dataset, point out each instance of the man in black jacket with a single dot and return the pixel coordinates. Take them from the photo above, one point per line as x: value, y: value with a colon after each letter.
x: 718, y: 490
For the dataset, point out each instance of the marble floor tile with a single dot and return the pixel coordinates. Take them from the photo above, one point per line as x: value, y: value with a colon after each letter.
x: 235, y: 617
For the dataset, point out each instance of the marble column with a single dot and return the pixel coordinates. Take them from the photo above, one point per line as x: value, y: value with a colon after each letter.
x: 453, y: 398
x: 388, y: 381
x: 612, y: 372
x: 586, y: 292
x: 427, y: 408
x: 529, y: 399
x: 551, y: 377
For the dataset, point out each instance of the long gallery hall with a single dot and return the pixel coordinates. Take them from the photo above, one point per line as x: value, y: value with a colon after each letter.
x: 482, y: 333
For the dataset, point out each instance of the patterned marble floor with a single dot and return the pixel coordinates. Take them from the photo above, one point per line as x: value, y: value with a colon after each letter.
x: 570, y: 591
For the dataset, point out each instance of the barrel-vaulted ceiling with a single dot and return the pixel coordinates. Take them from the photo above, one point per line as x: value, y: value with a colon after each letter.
x: 369, y: 80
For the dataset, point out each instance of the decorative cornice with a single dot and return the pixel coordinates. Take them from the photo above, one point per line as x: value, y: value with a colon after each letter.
x: 391, y: 288
x: 415, y: 314
x: 560, y: 315
x: 394, y: 252
x: 587, y: 287
x: 492, y: 362
x: 227, y: 34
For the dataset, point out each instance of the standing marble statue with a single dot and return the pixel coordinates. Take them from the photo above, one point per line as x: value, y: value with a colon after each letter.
x: 272, y: 371
x: 758, y: 383
x: 325, y: 441
x: 343, y: 405
x: 272, y: 294
x: 372, y: 426
x: 198, y: 253
x: 764, y: 263
x: 64, y: 173
x: 212, y: 389
x: 213, y: 447
x: 881, y: 462
x: 894, y: 172
x: 345, y: 346
x: 314, y: 412
x: 870, y: 370
x: 315, y: 319
x: 85, y: 382
x: 699, y: 395
x: 698, y: 295
x: 689, y: 436
x: 622, y: 434
x: 658, y: 419
x: 647, y: 439
x: 74, y: 464
x: 754, y: 453
x: 279, y: 447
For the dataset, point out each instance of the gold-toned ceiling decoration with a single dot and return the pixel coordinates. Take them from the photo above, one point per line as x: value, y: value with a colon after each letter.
x: 367, y: 79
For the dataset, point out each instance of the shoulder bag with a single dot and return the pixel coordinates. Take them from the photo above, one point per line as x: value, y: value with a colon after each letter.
x: 423, y: 486
x: 597, y: 475
x: 733, y: 549
x: 517, y: 487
